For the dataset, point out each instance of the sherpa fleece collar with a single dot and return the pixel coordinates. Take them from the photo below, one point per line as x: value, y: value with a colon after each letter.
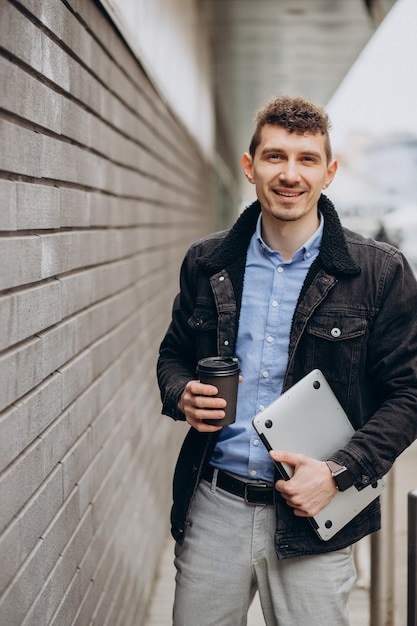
x: 334, y: 254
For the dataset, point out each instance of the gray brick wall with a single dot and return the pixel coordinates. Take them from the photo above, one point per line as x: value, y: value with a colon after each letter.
x: 101, y: 191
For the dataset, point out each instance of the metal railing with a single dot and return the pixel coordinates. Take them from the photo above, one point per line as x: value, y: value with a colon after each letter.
x: 412, y: 559
x: 382, y: 551
x: 382, y: 559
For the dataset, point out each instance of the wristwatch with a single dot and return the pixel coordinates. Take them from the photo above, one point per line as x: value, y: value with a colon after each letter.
x: 341, y: 475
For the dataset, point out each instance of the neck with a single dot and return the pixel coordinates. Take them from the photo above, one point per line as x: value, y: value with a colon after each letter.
x: 287, y: 237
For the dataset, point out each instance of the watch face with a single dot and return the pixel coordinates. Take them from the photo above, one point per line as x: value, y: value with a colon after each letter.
x: 343, y: 479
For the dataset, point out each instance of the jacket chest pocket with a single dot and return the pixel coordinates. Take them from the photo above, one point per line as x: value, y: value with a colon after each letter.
x: 337, y: 344
x: 336, y: 328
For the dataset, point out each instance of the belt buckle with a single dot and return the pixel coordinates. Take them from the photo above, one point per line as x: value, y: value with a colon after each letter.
x: 255, y: 486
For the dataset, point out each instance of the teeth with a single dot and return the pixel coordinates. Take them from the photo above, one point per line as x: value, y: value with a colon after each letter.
x: 288, y: 195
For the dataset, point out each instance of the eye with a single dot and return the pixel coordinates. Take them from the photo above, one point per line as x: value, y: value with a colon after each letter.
x: 308, y: 158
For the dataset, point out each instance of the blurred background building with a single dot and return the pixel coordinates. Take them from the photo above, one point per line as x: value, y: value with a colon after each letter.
x: 122, y: 123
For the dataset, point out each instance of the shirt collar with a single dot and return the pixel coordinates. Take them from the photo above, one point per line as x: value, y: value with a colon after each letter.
x: 309, y: 249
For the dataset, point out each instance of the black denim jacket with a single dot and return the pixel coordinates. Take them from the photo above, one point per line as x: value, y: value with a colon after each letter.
x: 363, y: 288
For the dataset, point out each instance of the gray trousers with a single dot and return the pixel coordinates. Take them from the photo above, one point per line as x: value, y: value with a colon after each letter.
x: 228, y: 553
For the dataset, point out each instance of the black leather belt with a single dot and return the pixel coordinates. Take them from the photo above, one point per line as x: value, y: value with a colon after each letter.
x: 252, y: 492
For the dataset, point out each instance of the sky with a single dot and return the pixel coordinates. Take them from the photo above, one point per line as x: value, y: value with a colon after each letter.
x: 379, y: 93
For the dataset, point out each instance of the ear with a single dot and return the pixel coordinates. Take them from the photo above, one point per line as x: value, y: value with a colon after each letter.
x: 330, y: 174
x: 247, y: 165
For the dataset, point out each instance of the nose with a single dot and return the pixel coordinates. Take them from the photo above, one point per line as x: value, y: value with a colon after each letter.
x: 289, y: 172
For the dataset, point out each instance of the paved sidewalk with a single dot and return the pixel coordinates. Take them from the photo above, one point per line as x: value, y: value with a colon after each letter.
x: 405, y: 479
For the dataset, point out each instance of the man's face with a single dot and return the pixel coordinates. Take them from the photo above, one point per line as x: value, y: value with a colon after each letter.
x: 289, y: 172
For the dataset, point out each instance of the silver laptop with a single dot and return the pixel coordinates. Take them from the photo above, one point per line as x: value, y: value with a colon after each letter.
x: 308, y: 419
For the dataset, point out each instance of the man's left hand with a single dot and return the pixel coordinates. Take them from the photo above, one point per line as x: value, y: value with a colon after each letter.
x: 310, y: 489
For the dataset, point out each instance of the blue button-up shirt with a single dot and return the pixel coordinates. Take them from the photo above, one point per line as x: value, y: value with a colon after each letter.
x: 270, y: 293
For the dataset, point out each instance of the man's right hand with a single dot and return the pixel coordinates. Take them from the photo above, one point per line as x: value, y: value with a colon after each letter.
x: 197, y: 403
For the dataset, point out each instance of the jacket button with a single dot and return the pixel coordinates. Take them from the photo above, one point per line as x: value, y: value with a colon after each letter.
x: 365, y: 480
x: 335, y: 332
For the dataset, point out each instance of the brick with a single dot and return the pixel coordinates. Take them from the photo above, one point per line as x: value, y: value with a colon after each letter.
x: 77, y: 291
x: 105, y: 422
x: 29, y: 98
x: 28, y: 417
x: 89, y: 481
x: 60, y: 253
x: 33, y: 310
x: 86, y: 607
x: 59, y: 345
x: 76, y: 123
x: 76, y: 461
x: 20, y: 149
x: 37, y: 207
x: 69, y: 604
x: 57, y: 159
x: 8, y: 321
x: 77, y: 375
x: 55, y: 63
x: 20, y: 371
x: 38, y: 512
x: 19, y: 482
x: 10, y: 553
x: 20, y: 261
x: 75, y: 208
x: 65, y: 430
x: 104, y: 500
x: 62, y: 23
x: 79, y: 542
x: 90, y: 560
x: 118, y: 596
x: 101, y: 208
x: 20, y: 36
x: 8, y: 211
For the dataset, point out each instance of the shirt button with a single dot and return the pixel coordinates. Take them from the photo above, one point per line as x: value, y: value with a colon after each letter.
x: 226, y: 343
x: 335, y: 332
x: 261, y: 407
x: 256, y: 442
x: 274, y: 303
x: 265, y: 374
x: 253, y: 472
x: 280, y: 269
x: 308, y: 254
x: 221, y: 278
x: 270, y: 339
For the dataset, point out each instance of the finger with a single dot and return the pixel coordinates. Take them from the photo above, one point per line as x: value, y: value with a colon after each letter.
x: 201, y: 389
x: 282, y: 456
x: 201, y: 426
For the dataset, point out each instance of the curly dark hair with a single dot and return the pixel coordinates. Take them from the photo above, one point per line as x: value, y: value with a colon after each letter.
x: 297, y: 115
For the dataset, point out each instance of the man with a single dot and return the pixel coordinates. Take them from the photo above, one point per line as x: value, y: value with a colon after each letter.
x: 286, y: 290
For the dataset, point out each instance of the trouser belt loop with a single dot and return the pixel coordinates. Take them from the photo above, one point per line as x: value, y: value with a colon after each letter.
x: 214, y: 479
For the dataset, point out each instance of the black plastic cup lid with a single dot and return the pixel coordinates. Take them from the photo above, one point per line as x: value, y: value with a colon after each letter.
x: 218, y: 366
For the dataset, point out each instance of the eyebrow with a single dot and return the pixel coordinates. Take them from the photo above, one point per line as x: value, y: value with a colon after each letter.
x: 312, y: 153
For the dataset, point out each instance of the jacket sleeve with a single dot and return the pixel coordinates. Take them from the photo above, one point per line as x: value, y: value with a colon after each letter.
x: 392, y: 368
x: 177, y: 362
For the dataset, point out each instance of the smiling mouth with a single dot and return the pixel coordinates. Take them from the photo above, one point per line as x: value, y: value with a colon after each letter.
x: 287, y: 194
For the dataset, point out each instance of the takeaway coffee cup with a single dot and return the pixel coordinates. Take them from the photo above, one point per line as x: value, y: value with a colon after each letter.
x: 223, y: 373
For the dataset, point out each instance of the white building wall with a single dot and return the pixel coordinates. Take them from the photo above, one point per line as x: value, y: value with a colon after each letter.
x: 172, y: 42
